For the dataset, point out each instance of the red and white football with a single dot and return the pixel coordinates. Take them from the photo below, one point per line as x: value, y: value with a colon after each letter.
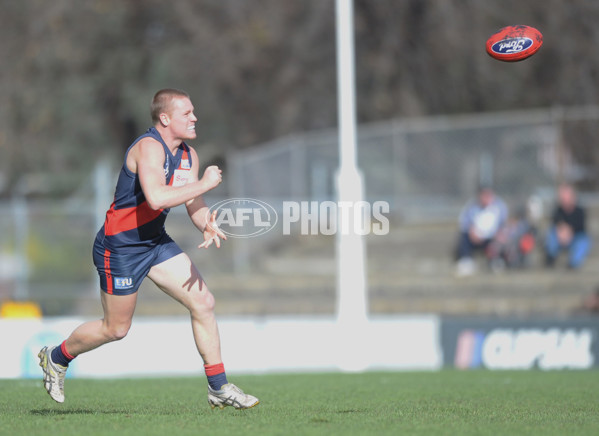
x: 514, y: 43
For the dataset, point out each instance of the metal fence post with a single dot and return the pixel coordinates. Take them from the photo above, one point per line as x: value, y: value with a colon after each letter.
x: 21, y: 219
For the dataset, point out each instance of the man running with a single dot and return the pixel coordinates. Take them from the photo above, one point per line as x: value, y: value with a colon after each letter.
x: 160, y: 171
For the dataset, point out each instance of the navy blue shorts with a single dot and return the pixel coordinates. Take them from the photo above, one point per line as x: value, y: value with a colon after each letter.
x: 122, y: 273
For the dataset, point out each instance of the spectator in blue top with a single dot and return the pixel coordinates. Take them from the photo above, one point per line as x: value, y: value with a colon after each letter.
x: 568, y: 230
x: 479, y: 222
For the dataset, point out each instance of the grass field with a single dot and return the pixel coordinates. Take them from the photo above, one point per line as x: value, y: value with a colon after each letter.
x: 446, y: 402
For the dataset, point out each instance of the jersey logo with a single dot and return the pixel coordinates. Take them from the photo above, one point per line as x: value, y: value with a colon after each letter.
x: 166, y: 168
x: 185, y: 164
x: 180, y: 177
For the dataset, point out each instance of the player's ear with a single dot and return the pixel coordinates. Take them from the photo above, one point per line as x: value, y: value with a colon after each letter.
x: 164, y: 119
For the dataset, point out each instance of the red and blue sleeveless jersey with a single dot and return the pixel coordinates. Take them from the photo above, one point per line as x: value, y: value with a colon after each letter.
x: 131, y: 226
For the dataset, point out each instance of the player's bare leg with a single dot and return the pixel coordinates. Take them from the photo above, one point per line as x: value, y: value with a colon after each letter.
x: 179, y: 278
x: 118, y: 311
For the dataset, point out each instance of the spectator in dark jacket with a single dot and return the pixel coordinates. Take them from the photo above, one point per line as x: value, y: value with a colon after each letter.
x: 568, y: 230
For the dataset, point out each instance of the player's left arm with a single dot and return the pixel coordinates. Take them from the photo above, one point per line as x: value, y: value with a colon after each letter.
x: 199, y: 212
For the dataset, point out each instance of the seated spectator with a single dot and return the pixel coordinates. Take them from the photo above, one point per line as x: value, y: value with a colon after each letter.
x: 479, y: 222
x: 513, y: 243
x: 568, y: 230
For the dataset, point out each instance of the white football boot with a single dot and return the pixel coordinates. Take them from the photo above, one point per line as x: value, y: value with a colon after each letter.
x: 230, y: 395
x: 53, y: 374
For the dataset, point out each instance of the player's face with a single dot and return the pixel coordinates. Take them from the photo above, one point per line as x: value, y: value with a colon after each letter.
x: 182, y: 119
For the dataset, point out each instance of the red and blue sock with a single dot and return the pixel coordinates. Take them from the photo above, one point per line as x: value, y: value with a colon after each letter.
x: 216, y: 375
x: 61, y: 356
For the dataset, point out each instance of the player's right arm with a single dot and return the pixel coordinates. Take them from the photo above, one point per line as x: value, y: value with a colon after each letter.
x: 147, y: 160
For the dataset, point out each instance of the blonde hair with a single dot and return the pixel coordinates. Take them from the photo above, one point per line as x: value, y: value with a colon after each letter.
x: 162, y: 101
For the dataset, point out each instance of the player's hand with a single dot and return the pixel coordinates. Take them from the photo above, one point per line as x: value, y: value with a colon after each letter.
x: 212, y: 177
x: 212, y: 234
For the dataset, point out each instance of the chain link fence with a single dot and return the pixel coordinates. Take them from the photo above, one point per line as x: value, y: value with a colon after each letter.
x: 425, y: 168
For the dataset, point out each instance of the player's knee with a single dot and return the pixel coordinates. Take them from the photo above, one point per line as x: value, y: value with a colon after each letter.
x: 118, y: 332
x: 203, y: 303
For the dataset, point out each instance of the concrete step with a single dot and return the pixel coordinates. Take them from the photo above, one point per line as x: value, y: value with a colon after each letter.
x: 409, y: 271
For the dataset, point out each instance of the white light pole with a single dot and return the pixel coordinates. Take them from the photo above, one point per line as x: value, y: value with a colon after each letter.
x: 352, y: 300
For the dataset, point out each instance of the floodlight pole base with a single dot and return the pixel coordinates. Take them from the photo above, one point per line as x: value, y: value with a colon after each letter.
x: 352, y: 301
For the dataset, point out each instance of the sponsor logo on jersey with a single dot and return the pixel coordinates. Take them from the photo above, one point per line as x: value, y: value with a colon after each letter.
x: 180, y: 177
x: 185, y: 164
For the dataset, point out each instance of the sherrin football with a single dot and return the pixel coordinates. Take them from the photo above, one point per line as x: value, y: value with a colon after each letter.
x: 514, y: 43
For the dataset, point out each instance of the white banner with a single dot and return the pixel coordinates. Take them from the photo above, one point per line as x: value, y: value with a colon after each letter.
x: 165, y: 346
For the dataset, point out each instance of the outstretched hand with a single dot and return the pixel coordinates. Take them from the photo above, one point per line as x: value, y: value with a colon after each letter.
x: 212, y: 234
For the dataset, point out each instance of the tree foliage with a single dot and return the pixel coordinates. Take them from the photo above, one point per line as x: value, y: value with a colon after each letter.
x: 77, y: 76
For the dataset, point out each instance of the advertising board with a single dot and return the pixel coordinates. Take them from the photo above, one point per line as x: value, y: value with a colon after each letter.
x: 520, y: 344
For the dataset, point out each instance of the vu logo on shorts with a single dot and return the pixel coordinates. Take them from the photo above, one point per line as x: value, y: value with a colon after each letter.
x: 123, y: 282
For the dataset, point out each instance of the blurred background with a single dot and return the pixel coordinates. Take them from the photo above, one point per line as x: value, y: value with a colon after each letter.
x: 437, y: 118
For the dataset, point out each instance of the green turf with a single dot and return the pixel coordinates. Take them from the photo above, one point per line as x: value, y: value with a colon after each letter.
x: 446, y: 402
